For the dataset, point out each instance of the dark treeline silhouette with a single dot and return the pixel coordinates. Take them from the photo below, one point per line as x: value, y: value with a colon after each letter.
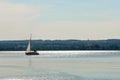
x: 20, y: 45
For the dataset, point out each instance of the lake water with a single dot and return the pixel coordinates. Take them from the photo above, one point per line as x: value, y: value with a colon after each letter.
x: 60, y: 65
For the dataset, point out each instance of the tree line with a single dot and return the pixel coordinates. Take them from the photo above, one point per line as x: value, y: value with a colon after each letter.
x: 20, y: 45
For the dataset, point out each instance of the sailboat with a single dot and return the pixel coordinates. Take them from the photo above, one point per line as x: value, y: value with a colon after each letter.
x: 28, y: 50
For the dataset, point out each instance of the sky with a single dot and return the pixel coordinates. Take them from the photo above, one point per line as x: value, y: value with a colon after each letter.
x: 59, y: 19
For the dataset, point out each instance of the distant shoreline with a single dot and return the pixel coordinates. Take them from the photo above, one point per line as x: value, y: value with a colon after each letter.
x: 68, y: 50
x: 61, y: 45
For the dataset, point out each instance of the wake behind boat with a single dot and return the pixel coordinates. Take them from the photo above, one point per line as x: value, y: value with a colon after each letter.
x: 28, y: 50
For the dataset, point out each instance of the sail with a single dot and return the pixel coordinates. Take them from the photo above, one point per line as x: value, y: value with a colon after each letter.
x: 29, y: 47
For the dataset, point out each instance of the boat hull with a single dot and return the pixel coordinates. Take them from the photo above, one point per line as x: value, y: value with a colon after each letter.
x: 32, y: 53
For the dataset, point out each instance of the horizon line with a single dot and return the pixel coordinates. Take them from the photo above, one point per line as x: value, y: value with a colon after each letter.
x: 59, y: 39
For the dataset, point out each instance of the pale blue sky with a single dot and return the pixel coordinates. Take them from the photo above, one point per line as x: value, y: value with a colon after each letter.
x: 59, y: 19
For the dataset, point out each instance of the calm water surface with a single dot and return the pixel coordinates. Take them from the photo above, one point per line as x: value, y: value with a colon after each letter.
x: 60, y: 65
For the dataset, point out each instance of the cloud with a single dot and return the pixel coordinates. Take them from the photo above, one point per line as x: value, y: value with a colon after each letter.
x: 18, y: 18
x: 18, y: 11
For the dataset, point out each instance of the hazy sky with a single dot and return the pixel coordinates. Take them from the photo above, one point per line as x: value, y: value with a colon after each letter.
x: 59, y: 19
